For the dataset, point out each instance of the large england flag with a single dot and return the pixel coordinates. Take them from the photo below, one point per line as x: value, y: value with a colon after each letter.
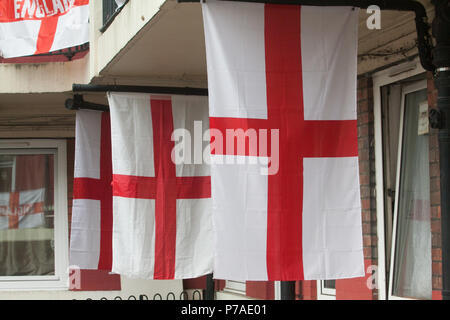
x: 91, y: 228
x: 30, y: 27
x: 285, y: 182
x: 161, y: 188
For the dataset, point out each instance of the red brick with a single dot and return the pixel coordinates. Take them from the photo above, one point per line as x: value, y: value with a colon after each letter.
x: 364, y: 165
x: 435, y: 198
x: 363, y: 118
x: 364, y: 179
x: 434, y: 170
x: 365, y: 204
x: 366, y: 228
x: 432, y: 99
x: 363, y: 130
x: 436, y: 212
x: 436, y: 295
x: 367, y: 252
x: 436, y: 241
x: 435, y: 226
x: 365, y: 192
x: 436, y: 268
x: 436, y: 254
x: 367, y: 240
x: 434, y: 142
x: 437, y: 283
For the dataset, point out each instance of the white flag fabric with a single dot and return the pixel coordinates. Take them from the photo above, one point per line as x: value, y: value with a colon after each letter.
x: 162, y: 225
x: 120, y: 3
x: 282, y: 78
x: 20, y: 210
x: 29, y: 27
x: 91, y: 228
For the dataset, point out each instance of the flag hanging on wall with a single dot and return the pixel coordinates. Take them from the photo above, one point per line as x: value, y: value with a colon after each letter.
x: 91, y: 228
x: 161, y: 206
x: 285, y: 177
x: 29, y: 27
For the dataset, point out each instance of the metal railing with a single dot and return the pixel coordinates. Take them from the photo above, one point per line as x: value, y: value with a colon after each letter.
x: 184, y: 295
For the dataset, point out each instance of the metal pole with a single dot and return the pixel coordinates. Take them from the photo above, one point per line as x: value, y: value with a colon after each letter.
x: 441, y: 59
x: 139, y: 89
x: 287, y: 290
x: 209, y: 291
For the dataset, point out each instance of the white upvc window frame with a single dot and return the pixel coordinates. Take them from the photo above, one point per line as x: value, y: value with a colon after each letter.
x: 417, y: 86
x: 238, y: 287
x: 59, y: 281
x: 324, y: 293
x: 380, y: 79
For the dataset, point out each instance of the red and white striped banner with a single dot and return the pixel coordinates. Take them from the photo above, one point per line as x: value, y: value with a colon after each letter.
x: 287, y: 208
x: 30, y: 27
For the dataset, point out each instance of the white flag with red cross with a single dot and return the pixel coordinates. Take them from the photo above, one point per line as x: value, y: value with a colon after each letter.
x: 29, y: 27
x: 91, y: 228
x: 22, y: 209
x: 162, y: 225
x: 285, y: 177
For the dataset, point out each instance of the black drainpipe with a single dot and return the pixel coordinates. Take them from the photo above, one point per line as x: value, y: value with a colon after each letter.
x: 440, y: 119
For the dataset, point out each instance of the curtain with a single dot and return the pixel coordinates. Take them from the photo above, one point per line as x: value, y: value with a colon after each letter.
x: 26, y: 215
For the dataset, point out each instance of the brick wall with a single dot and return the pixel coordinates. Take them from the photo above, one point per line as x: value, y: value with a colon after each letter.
x: 435, y: 198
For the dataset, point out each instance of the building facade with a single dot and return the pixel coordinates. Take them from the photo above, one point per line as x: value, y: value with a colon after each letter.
x: 161, y: 43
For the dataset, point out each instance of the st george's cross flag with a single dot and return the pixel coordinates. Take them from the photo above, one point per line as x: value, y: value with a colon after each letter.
x: 29, y: 27
x: 22, y: 209
x: 91, y: 227
x: 288, y: 206
x: 162, y: 225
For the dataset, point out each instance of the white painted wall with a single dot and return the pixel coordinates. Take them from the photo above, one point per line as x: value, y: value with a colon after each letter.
x: 129, y: 287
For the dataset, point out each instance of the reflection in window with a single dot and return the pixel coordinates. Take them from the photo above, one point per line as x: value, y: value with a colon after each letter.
x: 26, y: 214
x: 412, y: 261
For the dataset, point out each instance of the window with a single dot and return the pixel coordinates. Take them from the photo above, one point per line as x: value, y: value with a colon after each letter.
x: 235, y: 286
x: 326, y: 289
x: 33, y: 214
x: 411, y: 273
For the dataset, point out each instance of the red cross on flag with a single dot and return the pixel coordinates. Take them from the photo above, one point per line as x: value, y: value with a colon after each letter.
x: 161, y: 207
x: 282, y: 80
x: 91, y: 228
x: 30, y: 27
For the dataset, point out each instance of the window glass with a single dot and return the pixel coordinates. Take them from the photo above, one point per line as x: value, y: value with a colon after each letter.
x: 26, y: 214
x: 329, y: 284
x: 412, y: 261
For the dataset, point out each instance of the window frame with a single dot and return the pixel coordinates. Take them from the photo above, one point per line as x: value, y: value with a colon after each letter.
x: 411, y: 88
x: 237, y: 287
x: 324, y: 293
x: 59, y: 281
x: 382, y: 78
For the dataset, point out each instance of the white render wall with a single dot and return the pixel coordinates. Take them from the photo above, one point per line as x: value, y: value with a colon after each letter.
x: 129, y: 287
